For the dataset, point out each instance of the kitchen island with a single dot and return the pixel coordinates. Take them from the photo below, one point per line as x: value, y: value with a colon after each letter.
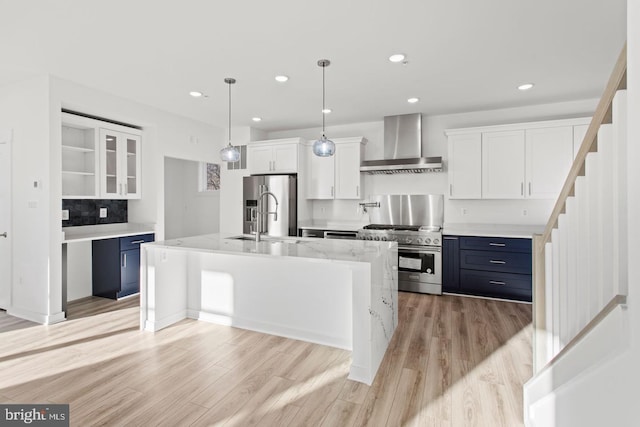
x: 340, y: 293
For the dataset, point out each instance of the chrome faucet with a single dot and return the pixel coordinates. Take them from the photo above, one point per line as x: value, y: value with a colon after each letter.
x: 260, y: 212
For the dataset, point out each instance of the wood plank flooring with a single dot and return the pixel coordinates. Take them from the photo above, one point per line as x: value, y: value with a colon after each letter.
x: 453, y: 361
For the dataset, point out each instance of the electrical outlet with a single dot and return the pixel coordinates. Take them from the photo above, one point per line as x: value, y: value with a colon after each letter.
x: 103, y: 212
x: 65, y: 214
x: 463, y: 211
x: 524, y: 212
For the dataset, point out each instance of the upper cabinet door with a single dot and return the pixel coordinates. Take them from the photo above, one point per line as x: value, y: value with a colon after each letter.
x: 321, y: 177
x: 347, y: 171
x: 259, y: 159
x: 111, y: 146
x: 131, y: 169
x: 119, y: 165
x: 503, y: 165
x: 285, y: 158
x: 465, y: 166
x: 549, y: 153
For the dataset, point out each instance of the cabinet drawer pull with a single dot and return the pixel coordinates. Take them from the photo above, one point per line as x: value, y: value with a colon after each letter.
x: 494, y: 261
x: 124, y: 260
x: 497, y: 244
x: 135, y: 242
x: 522, y: 188
x: 496, y: 282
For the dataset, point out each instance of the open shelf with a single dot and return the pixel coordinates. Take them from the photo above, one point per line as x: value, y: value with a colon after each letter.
x: 78, y: 149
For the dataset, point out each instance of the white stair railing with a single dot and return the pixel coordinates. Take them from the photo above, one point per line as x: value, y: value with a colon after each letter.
x: 580, y: 261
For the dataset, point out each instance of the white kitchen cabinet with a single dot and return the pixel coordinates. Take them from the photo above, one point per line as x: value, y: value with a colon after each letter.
x: 338, y: 176
x: 549, y: 155
x: 119, y: 165
x: 515, y: 161
x: 465, y: 166
x: 80, y: 160
x: 579, y: 133
x: 270, y: 157
x: 503, y: 164
x: 321, y: 177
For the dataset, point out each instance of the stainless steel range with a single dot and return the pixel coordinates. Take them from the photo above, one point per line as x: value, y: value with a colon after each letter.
x: 415, y: 222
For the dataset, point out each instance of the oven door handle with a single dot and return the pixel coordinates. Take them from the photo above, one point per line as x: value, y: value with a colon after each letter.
x: 422, y: 249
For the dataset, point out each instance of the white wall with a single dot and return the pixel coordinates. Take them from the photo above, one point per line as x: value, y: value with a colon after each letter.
x: 188, y: 212
x: 434, y: 143
x: 24, y: 107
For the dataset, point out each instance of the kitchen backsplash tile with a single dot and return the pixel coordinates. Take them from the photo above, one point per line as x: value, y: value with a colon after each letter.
x: 87, y: 211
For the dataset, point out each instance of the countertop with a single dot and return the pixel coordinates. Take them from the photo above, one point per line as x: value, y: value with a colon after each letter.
x: 493, y: 230
x: 330, y: 225
x: 104, y: 231
x: 296, y: 247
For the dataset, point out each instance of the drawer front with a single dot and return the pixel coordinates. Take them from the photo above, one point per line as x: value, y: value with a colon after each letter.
x: 134, y: 242
x: 498, y: 285
x: 505, y: 262
x: 502, y: 244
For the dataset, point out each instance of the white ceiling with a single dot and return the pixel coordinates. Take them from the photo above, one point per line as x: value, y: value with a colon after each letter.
x: 464, y: 55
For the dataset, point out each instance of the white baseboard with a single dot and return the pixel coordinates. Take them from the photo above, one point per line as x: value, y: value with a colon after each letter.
x: 156, y: 325
x: 272, y: 329
x: 44, y: 319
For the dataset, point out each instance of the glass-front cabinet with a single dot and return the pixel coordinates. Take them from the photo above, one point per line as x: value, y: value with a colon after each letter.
x: 119, y: 165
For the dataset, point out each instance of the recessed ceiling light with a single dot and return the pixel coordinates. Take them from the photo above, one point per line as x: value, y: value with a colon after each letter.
x: 413, y: 100
x: 282, y: 79
x: 326, y: 110
x: 397, y: 57
x: 526, y: 86
x: 195, y: 94
x: 257, y: 119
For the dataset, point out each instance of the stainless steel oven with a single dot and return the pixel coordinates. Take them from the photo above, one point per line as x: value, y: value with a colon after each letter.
x: 420, y: 269
x: 415, y: 222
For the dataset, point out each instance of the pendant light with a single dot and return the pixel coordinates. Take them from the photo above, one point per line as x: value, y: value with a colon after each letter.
x: 230, y: 153
x: 323, y: 147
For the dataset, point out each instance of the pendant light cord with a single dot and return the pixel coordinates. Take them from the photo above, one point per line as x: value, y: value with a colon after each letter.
x: 229, y: 113
x: 323, y: 113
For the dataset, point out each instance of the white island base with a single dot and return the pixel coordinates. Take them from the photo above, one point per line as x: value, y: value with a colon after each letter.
x: 340, y: 293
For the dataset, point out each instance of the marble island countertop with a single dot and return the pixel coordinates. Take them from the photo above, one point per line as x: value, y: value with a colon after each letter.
x: 493, y: 230
x: 296, y: 247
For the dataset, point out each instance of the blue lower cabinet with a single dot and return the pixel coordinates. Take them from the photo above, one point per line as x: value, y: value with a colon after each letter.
x: 450, y: 264
x: 495, y: 284
x: 116, y: 265
x: 487, y: 266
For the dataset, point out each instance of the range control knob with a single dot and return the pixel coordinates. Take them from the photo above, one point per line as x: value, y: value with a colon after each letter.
x: 408, y: 240
x: 436, y: 241
x: 427, y: 241
x: 419, y: 240
x: 383, y: 238
x: 376, y: 238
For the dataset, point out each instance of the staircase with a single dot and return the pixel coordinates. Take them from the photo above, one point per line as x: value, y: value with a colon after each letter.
x: 580, y: 262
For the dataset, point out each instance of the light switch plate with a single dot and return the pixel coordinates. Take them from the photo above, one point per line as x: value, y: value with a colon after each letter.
x: 103, y: 212
x: 65, y: 214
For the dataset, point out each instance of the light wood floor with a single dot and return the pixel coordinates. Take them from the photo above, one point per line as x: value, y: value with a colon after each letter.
x: 453, y: 361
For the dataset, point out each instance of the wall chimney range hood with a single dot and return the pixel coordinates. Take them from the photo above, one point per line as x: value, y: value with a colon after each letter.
x: 402, y: 148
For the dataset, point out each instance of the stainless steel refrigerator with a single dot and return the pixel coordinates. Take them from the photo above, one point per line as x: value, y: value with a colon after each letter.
x: 285, y: 188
